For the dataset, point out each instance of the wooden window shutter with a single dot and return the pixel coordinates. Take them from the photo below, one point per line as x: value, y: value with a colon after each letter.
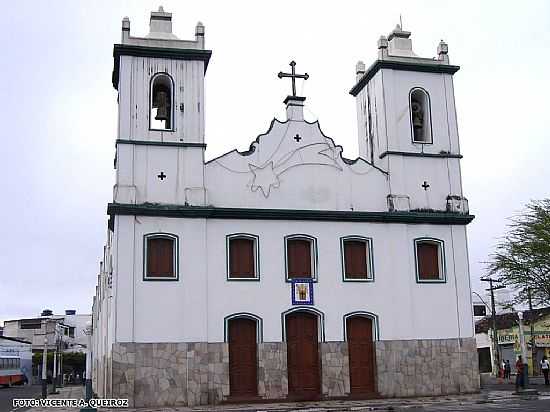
x: 355, y: 259
x: 160, y: 257
x: 428, y: 260
x: 241, y: 258
x: 299, y: 258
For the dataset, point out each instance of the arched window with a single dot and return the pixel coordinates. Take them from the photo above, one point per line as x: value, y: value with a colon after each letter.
x: 160, y: 256
x: 430, y: 260
x: 161, y: 104
x: 301, y: 257
x: 421, y: 121
x: 242, y: 257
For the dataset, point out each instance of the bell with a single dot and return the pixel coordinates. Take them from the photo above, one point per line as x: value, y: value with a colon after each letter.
x: 417, y: 115
x: 162, y: 105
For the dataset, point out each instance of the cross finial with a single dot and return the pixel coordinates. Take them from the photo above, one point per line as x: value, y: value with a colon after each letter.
x: 293, y: 76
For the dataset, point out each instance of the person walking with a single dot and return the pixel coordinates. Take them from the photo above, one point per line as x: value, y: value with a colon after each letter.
x: 519, y: 374
x: 507, y: 370
x: 545, y: 368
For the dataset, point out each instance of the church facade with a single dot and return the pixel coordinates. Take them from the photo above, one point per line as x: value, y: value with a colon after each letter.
x: 287, y: 271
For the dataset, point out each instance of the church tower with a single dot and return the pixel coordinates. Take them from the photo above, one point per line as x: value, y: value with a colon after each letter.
x: 407, y: 125
x: 160, y: 143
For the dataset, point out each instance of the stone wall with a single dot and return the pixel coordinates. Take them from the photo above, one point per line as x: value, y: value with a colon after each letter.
x: 189, y: 374
x: 272, y: 370
x: 170, y: 374
x: 426, y: 367
x: 335, y: 369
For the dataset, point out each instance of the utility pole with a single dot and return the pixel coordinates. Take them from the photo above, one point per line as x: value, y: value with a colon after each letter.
x: 45, y: 368
x: 494, y: 319
x: 532, y: 325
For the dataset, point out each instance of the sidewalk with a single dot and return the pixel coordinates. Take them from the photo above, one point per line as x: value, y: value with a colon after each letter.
x: 493, y: 395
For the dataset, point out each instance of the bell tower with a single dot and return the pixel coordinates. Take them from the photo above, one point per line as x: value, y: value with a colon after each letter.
x: 160, y: 140
x: 407, y: 125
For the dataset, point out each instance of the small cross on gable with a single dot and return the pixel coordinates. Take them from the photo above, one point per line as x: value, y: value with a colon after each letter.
x: 161, y: 176
x: 425, y: 185
x: 297, y: 137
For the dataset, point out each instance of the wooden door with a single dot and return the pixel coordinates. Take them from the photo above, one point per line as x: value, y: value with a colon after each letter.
x: 304, y: 382
x: 242, y: 358
x: 361, y: 354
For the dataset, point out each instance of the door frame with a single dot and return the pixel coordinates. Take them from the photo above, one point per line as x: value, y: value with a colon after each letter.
x: 320, y: 321
x: 320, y: 316
x: 246, y: 315
x: 259, y: 339
x: 375, y: 337
x: 372, y: 316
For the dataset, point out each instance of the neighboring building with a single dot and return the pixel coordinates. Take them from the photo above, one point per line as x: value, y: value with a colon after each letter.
x: 15, y: 355
x: 508, y: 337
x: 286, y: 271
x: 67, y: 329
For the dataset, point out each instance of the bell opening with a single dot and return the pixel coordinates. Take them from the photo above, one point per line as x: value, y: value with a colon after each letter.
x: 161, y: 103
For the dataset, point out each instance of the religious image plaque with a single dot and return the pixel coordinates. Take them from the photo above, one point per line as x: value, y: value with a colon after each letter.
x: 302, y: 291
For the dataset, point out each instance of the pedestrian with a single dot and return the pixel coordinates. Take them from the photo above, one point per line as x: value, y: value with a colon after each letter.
x: 507, y: 369
x: 519, y: 374
x: 545, y: 368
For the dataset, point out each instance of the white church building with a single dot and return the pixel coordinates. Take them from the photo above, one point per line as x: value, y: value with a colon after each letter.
x: 286, y: 271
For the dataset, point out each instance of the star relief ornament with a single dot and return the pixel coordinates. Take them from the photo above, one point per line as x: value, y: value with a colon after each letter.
x: 264, y: 178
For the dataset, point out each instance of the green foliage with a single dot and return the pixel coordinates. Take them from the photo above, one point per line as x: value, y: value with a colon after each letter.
x: 72, y: 362
x: 522, y: 258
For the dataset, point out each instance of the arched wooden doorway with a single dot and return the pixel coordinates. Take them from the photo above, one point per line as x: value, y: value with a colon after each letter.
x: 304, y: 369
x: 359, y: 331
x: 243, y: 362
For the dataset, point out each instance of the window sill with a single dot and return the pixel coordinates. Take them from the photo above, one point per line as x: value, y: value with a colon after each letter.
x: 159, y: 279
x: 256, y: 279
x: 367, y: 280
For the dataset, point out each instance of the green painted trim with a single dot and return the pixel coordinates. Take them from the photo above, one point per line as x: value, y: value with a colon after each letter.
x: 370, y: 315
x: 442, y: 255
x: 412, y: 154
x: 246, y: 315
x: 158, y: 52
x: 209, y: 212
x: 370, y: 263
x: 429, y: 66
x: 315, y: 257
x: 155, y: 143
x: 176, y: 257
x: 256, y: 239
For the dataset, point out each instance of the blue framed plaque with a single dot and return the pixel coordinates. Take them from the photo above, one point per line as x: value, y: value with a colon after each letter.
x: 302, y: 291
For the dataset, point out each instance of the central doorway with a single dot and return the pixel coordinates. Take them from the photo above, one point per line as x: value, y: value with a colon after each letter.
x: 243, y: 364
x: 302, y: 339
x: 361, y: 355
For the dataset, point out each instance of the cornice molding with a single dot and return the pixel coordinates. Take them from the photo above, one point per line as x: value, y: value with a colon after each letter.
x: 209, y: 212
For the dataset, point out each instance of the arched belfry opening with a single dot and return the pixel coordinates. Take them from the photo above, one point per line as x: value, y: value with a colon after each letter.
x: 161, y: 111
x: 420, y: 116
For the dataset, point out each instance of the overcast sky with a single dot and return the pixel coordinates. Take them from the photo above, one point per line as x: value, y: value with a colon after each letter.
x: 59, y: 111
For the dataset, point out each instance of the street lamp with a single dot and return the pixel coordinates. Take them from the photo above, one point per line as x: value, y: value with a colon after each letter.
x: 523, y: 349
x: 44, y: 368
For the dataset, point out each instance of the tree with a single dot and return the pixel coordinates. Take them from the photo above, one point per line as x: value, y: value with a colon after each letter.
x: 522, y: 258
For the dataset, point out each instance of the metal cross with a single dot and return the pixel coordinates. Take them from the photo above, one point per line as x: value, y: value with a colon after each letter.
x: 162, y: 176
x: 297, y: 137
x: 425, y: 185
x: 293, y: 76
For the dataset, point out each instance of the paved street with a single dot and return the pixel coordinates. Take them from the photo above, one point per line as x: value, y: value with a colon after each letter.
x: 23, y: 391
x: 497, y: 398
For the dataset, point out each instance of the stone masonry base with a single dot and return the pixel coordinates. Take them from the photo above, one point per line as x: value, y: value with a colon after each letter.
x: 189, y: 374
